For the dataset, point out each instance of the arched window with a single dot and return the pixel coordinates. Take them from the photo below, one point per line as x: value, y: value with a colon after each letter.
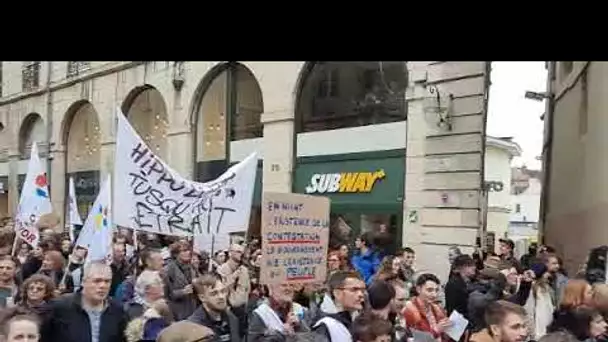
x: 349, y: 94
x: 32, y: 129
x: 146, y: 110
x: 229, y: 95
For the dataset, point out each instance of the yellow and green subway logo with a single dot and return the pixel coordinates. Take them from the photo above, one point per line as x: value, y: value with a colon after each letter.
x: 344, y: 182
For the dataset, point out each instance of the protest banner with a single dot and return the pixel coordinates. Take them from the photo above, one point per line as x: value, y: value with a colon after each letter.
x: 295, y: 235
x: 151, y: 197
x: 73, y: 215
x: 34, y: 201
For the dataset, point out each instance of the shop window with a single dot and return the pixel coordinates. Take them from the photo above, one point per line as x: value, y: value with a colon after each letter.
x: 349, y: 94
x: 382, y: 228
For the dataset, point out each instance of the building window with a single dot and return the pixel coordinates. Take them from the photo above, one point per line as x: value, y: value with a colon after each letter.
x: 76, y: 68
x: 518, y: 208
x: 337, y: 95
x: 30, y: 76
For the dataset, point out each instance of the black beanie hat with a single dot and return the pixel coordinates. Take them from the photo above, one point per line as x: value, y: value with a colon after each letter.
x: 380, y: 293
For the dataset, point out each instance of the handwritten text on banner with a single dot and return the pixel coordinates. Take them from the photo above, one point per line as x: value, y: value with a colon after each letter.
x: 295, y: 234
x: 150, y: 196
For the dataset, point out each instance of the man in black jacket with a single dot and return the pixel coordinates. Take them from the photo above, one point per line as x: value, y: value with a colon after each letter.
x: 89, y: 316
x: 213, y: 312
x: 457, y: 288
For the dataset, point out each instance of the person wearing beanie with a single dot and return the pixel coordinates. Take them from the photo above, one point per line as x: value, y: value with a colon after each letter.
x: 539, y: 305
x: 185, y: 331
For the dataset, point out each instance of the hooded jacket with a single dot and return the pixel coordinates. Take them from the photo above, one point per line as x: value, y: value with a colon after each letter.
x: 366, y: 264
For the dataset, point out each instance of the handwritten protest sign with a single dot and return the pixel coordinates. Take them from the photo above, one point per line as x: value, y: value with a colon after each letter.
x: 150, y: 196
x: 295, y: 234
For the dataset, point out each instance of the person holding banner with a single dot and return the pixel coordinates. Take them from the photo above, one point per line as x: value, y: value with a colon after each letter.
x: 179, y: 277
x: 236, y: 278
x: 53, y: 267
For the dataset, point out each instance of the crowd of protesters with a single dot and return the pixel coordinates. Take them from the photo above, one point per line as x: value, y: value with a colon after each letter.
x: 162, y: 289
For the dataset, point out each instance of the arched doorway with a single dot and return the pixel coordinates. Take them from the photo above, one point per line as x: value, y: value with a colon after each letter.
x: 32, y: 129
x: 82, y: 141
x: 357, y: 102
x: 146, y: 110
x: 226, y: 120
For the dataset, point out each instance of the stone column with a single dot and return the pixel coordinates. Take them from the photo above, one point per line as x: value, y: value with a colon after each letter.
x: 278, y: 147
x: 444, y: 165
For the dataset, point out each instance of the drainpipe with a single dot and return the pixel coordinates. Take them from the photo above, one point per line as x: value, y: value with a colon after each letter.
x: 49, y: 124
x: 547, y: 151
x: 483, y: 192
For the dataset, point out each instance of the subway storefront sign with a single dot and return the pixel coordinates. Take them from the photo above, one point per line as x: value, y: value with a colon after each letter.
x: 373, y: 179
x: 344, y: 182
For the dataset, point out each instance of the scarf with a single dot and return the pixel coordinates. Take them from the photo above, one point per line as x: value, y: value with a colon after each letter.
x: 141, y: 301
x: 337, y: 330
x: 270, y: 318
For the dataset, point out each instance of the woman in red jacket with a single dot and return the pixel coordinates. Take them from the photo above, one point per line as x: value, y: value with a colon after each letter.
x: 422, y: 311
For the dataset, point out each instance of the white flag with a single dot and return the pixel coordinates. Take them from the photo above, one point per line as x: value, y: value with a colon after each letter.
x: 97, y: 231
x: 152, y: 197
x: 35, y: 200
x: 74, y: 216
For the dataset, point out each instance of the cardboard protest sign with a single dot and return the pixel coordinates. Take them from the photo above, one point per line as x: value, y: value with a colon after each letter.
x: 150, y: 196
x: 295, y: 235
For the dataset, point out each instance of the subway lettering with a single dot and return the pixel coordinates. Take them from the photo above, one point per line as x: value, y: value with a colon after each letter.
x: 344, y: 182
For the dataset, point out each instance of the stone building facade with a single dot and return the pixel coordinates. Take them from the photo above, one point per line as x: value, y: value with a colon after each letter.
x: 422, y: 124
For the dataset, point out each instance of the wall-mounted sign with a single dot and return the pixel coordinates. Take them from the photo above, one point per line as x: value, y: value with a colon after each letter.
x: 412, y: 216
x: 344, y: 182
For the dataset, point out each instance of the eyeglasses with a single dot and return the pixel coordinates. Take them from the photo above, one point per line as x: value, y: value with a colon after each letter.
x: 333, y: 260
x: 353, y: 289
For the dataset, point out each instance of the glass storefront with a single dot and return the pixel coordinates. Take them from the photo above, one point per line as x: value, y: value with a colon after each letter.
x: 366, y: 192
x: 86, y: 186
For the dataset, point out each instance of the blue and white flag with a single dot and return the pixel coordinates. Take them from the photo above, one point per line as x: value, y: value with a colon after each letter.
x: 97, y: 231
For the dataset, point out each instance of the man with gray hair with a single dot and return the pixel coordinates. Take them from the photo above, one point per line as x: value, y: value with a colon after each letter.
x: 149, y: 288
x: 89, y: 315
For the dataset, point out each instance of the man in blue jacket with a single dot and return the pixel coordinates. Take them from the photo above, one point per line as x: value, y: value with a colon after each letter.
x: 366, y: 261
